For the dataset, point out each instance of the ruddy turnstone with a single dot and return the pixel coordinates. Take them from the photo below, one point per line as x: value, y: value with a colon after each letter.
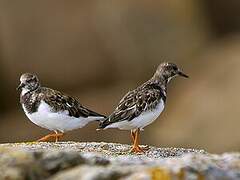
x: 52, y: 109
x: 141, y: 106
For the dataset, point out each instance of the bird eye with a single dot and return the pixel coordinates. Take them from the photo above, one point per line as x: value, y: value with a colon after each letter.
x: 175, y: 68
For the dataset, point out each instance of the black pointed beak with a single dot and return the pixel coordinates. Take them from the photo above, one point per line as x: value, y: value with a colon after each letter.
x: 180, y: 73
x: 21, y: 85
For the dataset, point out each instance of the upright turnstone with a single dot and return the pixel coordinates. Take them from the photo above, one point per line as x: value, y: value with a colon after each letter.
x: 141, y: 106
x: 51, y: 109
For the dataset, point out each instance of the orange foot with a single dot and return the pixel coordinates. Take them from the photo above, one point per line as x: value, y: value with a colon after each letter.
x: 47, y: 137
x: 136, y: 149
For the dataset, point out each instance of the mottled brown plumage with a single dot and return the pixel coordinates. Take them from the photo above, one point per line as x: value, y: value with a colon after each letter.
x: 52, y: 109
x: 141, y: 106
x: 144, y: 98
x: 57, y: 100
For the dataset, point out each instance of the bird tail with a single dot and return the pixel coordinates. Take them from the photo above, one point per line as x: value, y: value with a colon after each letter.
x: 96, y: 118
x: 103, y: 123
x: 100, y: 119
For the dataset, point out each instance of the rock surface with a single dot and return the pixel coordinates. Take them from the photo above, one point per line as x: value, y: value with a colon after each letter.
x: 71, y: 160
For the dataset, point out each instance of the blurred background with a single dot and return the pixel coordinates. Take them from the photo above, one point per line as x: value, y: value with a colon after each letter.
x: 98, y: 50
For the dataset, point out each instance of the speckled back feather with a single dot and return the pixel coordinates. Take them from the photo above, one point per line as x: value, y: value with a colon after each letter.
x: 57, y: 100
x: 144, y: 98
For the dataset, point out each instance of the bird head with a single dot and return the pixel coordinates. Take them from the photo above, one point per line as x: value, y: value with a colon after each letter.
x: 167, y: 71
x: 28, y: 82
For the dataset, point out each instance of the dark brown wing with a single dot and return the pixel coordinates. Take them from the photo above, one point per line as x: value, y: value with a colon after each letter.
x: 133, y: 104
x: 62, y: 102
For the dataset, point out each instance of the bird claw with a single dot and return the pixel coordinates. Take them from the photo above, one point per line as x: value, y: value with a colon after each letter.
x: 136, y: 149
x: 45, y: 138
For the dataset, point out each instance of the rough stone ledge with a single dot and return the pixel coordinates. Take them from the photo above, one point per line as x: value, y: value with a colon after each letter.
x: 91, y: 160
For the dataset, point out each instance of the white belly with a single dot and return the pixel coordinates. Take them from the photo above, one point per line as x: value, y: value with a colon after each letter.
x: 141, y: 121
x: 60, y: 121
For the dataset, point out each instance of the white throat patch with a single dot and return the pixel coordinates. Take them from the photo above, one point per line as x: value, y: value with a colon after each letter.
x: 24, y: 91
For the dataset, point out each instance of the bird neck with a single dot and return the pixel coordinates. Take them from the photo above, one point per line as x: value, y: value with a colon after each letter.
x: 160, y: 80
x: 26, y: 90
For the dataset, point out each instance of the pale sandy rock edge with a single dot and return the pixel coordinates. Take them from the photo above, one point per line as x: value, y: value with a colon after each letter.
x: 72, y: 160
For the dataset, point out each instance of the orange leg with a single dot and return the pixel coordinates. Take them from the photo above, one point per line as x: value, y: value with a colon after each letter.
x: 45, y: 138
x: 58, y: 136
x: 55, y: 135
x: 136, y: 148
x: 133, y: 135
